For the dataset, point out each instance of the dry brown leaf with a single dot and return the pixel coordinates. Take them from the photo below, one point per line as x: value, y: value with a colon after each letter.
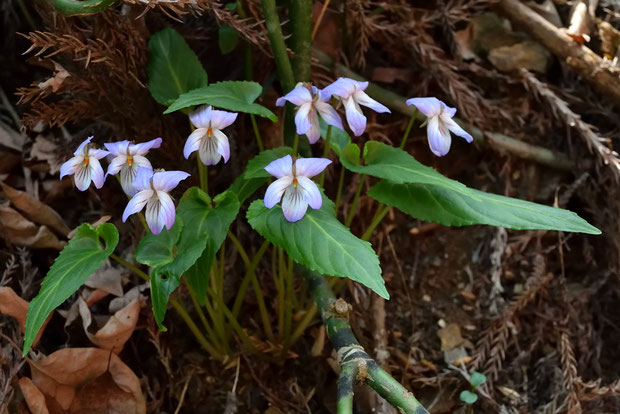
x: 11, y: 138
x: 56, y: 81
x: 67, y: 376
x: 107, y: 278
x: 35, y: 210
x: 17, y: 229
x: 450, y: 336
x: 16, y: 307
x: 33, y: 396
x: 118, y: 328
x: 45, y: 150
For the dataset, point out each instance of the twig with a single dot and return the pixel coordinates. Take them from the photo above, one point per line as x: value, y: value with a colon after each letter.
x: 334, y: 313
x: 587, y: 63
x: 514, y: 146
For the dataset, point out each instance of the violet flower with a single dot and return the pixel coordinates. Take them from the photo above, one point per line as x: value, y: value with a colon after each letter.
x: 440, y: 123
x: 127, y: 158
x: 208, y: 139
x: 310, y: 104
x: 85, y: 166
x: 293, y: 181
x: 152, y: 192
x: 351, y: 92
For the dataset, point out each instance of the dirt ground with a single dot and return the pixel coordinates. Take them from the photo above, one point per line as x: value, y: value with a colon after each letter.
x: 536, y: 311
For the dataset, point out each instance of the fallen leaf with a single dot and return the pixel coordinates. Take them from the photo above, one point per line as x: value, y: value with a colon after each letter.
x: 528, y: 55
x: 117, y: 304
x: 12, y: 305
x: 34, y: 398
x: 463, y: 41
x: 45, y: 150
x: 56, y: 81
x: 107, y: 278
x: 17, y: 229
x: 450, y: 336
x: 118, y: 328
x: 68, y: 376
x: 35, y: 210
x: 11, y: 138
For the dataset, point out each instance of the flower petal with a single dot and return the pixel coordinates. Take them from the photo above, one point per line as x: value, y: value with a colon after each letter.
x: 141, y: 161
x: 302, y: 120
x: 342, y: 87
x: 311, y: 192
x: 96, y: 172
x: 143, y: 179
x: 363, y: 99
x: 136, y: 204
x: 428, y: 106
x: 117, y: 148
x: 80, y: 149
x: 193, y: 141
x: 298, y: 96
x: 153, y: 215
x: 144, y: 147
x: 314, y: 133
x: 222, y: 119
x: 167, y: 180
x: 294, y: 205
x: 438, y: 137
x: 69, y: 167
x: 116, y: 164
x: 127, y: 177
x: 282, y: 167
x: 355, y: 117
x: 223, y: 147
x: 274, y: 192
x: 329, y: 114
x: 97, y: 153
x: 309, y: 167
x: 81, y: 177
x: 201, y: 117
x: 455, y: 128
x: 166, y: 210
x: 208, y: 151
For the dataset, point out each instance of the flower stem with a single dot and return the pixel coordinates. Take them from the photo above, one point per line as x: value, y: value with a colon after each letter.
x: 203, y: 173
x: 382, y: 210
x: 296, y: 145
x: 280, y: 54
x: 325, y: 152
x: 356, y: 199
x: 259, y: 141
x: 403, y: 142
x: 301, y: 39
x: 340, y: 185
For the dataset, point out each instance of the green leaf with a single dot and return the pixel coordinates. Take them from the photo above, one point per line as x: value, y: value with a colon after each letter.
x: 468, y: 397
x: 173, y: 68
x: 256, y: 166
x: 389, y: 163
x: 156, y: 250
x: 217, y: 222
x: 77, y: 261
x: 162, y: 286
x: 244, y: 187
x: 238, y: 96
x: 321, y: 243
x: 450, y: 208
x: 338, y: 139
x: 476, y: 379
x: 227, y: 39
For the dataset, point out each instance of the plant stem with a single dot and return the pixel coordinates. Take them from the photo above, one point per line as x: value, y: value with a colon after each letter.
x: 403, y: 142
x: 259, y: 141
x: 130, y: 266
x: 203, y: 173
x: 320, y: 18
x: 325, y: 152
x: 301, y: 39
x: 203, y: 318
x: 335, y: 317
x: 340, y: 185
x: 303, y: 324
x: 356, y: 199
x: 250, y: 273
x: 280, y: 54
x: 382, y: 210
x: 346, y: 380
x: 73, y: 7
x: 296, y: 145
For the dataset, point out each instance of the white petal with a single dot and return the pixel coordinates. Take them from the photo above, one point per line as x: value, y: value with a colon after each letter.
x: 96, y: 172
x: 297, y: 97
x: 167, y: 180
x: 294, y: 205
x: 193, y: 141
x: 222, y: 119
x: 342, y: 87
x: 311, y: 192
x: 438, y: 137
x: 97, y: 153
x: 355, y: 117
x: 329, y: 114
x: 143, y: 179
x: 144, y: 147
x: 314, y: 133
x: 274, y: 192
x: 208, y: 151
x: 363, y: 99
x: 80, y: 149
x: 455, y: 128
x: 223, y: 147
x: 116, y: 164
x: 309, y: 167
x: 428, y: 106
x: 201, y: 117
x: 117, y: 148
x: 166, y: 210
x: 136, y: 204
x: 127, y: 177
x: 153, y: 215
x: 301, y: 118
x: 81, y: 177
x: 70, y: 166
x: 281, y: 167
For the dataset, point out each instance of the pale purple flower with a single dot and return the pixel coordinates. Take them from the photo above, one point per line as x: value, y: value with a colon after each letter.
x: 126, y: 158
x: 440, y: 123
x: 152, y: 192
x: 293, y: 181
x: 310, y: 104
x: 85, y: 166
x: 208, y: 139
x: 351, y: 92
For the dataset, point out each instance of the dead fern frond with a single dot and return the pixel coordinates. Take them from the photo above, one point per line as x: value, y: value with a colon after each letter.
x: 592, y: 390
x: 562, y: 112
x: 569, y: 374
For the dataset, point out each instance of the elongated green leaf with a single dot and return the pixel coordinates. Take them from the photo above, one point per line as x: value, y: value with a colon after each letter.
x: 450, y: 208
x: 217, y: 222
x: 173, y: 67
x: 387, y: 162
x: 256, y: 166
x: 227, y: 39
x: 156, y: 250
x: 162, y: 286
x: 238, y: 96
x: 245, y: 187
x: 321, y: 243
x: 77, y: 261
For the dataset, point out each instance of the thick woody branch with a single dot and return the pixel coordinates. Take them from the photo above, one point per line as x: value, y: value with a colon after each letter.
x: 583, y: 60
x: 355, y: 363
